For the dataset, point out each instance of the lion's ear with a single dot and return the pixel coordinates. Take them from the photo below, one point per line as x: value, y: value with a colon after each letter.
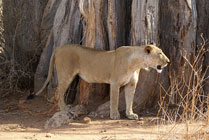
x: 153, y: 43
x: 148, y: 49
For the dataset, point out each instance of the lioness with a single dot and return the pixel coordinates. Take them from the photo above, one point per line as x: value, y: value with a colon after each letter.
x: 118, y: 68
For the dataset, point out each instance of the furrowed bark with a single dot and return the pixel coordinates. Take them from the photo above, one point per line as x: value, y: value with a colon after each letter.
x: 66, y: 29
x: 144, y: 29
x: 116, y: 23
x: 94, y: 37
x: 178, y: 37
x: 202, y: 27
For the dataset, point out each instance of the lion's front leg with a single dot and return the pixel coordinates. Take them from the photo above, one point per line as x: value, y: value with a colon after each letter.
x: 129, y: 95
x: 114, y: 99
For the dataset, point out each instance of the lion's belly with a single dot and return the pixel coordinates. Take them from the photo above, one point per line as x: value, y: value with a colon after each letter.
x: 93, y: 78
x: 125, y: 80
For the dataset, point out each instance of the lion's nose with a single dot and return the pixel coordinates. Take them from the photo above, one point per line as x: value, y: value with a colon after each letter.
x: 168, y: 61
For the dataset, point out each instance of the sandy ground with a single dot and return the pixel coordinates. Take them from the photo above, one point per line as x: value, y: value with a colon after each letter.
x: 18, y: 125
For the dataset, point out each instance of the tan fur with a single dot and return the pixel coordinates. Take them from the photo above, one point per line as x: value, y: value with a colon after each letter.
x: 118, y: 68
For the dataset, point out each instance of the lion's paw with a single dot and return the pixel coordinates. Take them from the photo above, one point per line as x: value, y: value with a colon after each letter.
x: 115, y: 115
x: 132, y: 116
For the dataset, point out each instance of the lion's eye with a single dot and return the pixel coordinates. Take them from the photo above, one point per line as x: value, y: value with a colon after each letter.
x: 160, y: 54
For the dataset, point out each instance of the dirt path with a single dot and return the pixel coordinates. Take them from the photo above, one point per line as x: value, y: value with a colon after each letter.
x: 18, y: 125
x: 96, y: 130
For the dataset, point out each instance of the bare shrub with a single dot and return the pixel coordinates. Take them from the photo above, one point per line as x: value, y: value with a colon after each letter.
x: 14, y: 77
x: 186, y: 97
x: 185, y: 102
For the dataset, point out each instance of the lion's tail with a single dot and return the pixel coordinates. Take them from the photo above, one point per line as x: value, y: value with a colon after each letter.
x: 51, y: 67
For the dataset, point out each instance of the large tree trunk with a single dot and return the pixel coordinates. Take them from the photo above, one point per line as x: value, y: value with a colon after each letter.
x: 95, y: 37
x: 66, y: 29
x: 118, y: 23
x: 103, y: 32
x: 177, y: 33
x: 202, y: 27
x: 175, y: 23
x: 145, y: 30
x: 47, y: 40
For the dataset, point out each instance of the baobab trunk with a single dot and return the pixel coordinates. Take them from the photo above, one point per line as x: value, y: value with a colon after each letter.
x: 144, y: 29
x: 66, y: 29
x: 172, y: 24
x: 177, y: 32
x: 94, y: 37
x: 202, y: 28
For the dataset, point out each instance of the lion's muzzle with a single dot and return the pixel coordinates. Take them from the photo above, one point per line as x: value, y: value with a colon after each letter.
x: 160, y: 67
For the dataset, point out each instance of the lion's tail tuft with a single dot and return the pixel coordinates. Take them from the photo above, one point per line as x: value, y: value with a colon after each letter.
x: 31, y: 96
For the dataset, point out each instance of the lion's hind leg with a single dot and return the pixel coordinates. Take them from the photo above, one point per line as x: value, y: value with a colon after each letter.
x: 63, y: 83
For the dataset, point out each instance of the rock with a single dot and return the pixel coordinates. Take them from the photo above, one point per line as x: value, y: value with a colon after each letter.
x: 64, y: 117
x: 87, y: 120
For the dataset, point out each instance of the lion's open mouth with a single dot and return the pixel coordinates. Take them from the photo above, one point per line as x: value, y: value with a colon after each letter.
x: 159, y: 68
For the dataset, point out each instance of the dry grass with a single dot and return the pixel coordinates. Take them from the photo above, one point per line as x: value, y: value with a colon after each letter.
x: 186, y: 102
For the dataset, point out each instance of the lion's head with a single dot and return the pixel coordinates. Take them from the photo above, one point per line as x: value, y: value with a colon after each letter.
x: 155, y: 58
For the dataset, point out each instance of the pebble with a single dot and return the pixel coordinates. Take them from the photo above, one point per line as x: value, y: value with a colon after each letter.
x: 87, y: 120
